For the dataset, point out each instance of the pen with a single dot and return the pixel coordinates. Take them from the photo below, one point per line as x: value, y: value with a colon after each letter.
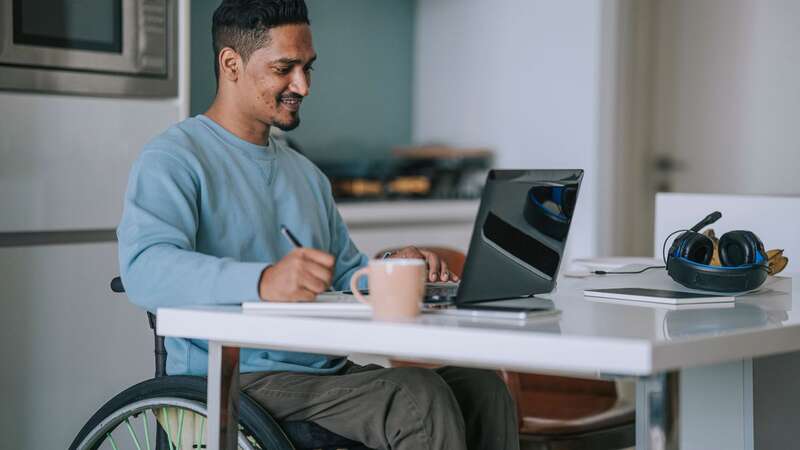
x: 290, y: 237
x: 285, y: 231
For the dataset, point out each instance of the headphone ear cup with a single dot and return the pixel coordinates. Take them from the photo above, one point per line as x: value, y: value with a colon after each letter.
x: 737, y: 248
x: 696, y: 247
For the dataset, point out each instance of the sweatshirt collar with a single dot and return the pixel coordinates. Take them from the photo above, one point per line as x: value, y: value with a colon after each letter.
x: 263, y: 152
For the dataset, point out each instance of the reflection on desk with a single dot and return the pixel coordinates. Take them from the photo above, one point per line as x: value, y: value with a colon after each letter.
x: 709, y: 322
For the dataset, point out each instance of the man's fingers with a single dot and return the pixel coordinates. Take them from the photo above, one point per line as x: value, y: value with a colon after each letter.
x: 304, y: 295
x: 414, y: 252
x: 313, y: 284
x: 433, y: 264
x: 299, y: 276
x: 444, y: 271
x: 321, y: 272
x: 317, y: 277
x: 410, y: 252
x: 318, y: 256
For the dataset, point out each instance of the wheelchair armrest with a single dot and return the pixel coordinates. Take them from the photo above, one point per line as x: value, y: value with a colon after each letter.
x: 160, y: 351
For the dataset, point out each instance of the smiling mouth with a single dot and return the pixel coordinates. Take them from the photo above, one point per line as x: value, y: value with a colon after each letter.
x: 291, y: 103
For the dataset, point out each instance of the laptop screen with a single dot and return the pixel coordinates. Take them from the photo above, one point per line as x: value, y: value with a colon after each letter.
x: 520, y: 234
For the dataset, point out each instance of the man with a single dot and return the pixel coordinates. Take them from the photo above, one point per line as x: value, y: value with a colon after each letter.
x: 203, y: 208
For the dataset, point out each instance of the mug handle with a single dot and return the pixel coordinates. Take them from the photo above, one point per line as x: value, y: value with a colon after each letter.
x: 354, y: 284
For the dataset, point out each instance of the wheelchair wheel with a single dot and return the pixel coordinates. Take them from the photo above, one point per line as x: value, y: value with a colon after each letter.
x: 173, y: 407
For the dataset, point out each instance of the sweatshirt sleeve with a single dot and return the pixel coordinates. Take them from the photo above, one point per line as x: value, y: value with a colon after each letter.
x: 158, y: 262
x: 348, y: 257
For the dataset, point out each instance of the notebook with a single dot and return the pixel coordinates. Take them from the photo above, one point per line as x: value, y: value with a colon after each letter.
x: 657, y: 296
x: 328, y: 304
x: 344, y: 304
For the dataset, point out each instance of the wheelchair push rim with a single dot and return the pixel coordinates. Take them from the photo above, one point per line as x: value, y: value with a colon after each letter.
x: 131, y: 423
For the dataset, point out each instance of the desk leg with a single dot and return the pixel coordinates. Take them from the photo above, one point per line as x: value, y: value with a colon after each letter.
x: 223, y: 397
x: 657, y: 409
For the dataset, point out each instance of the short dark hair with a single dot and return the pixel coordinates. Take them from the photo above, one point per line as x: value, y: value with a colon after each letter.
x: 243, y: 24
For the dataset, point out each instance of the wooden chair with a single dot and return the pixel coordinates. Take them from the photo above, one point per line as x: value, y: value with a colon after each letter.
x: 559, y: 413
x: 565, y: 413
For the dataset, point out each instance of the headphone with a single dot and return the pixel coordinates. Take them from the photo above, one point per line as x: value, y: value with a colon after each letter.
x: 549, y: 208
x: 744, y: 260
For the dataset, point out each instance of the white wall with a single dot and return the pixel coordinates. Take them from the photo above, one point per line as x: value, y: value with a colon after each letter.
x: 521, y: 77
x: 727, y: 94
x: 64, y: 160
x: 67, y: 343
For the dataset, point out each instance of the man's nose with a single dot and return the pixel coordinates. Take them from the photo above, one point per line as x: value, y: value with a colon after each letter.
x: 300, y: 83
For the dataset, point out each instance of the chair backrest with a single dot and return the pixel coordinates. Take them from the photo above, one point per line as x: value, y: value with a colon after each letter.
x: 159, y: 351
x: 773, y: 219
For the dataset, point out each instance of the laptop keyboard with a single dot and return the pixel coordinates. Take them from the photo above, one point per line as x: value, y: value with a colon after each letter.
x: 441, y: 291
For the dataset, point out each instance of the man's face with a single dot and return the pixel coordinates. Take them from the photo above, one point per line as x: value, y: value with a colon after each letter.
x: 278, y: 76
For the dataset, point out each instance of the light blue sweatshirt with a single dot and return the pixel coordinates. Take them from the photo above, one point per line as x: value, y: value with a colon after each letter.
x: 201, y: 222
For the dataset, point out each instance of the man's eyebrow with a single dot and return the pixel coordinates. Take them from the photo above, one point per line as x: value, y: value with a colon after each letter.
x: 292, y: 61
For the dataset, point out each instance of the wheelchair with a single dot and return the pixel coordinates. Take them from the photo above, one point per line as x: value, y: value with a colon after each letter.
x: 168, y: 412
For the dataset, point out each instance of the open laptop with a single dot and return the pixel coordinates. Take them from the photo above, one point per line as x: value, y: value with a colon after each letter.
x: 515, y: 251
x: 517, y: 243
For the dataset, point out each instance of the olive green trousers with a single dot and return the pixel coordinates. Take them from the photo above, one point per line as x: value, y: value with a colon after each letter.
x: 405, y: 408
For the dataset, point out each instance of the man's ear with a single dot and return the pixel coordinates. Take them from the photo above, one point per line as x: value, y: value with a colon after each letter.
x: 230, y: 64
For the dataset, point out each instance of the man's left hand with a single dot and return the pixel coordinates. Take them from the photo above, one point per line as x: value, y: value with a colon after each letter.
x: 437, y: 267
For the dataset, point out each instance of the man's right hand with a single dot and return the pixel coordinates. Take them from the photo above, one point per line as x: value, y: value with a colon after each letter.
x: 298, y: 277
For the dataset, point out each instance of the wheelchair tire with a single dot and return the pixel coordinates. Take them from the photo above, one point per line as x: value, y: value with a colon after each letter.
x: 258, y: 430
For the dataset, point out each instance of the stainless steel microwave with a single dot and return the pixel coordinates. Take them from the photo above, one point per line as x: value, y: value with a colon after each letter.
x: 90, y: 47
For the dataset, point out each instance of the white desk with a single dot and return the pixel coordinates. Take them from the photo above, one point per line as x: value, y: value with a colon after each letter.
x: 588, y: 337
